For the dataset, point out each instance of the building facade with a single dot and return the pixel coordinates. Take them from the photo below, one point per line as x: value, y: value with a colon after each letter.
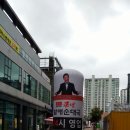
x: 50, y: 65
x: 24, y: 89
x: 99, y: 92
x: 123, y: 96
x: 128, y: 90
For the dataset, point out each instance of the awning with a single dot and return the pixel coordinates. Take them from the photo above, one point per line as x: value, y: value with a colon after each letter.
x: 49, y: 120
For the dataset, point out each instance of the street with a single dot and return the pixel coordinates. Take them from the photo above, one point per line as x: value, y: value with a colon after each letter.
x: 88, y: 128
x: 91, y: 128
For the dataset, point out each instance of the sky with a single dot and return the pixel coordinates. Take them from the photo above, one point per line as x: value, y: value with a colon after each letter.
x: 91, y: 36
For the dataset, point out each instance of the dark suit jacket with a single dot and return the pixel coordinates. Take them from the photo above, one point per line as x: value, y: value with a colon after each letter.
x: 69, y: 91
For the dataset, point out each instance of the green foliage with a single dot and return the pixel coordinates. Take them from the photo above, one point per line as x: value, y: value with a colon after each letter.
x: 96, y: 114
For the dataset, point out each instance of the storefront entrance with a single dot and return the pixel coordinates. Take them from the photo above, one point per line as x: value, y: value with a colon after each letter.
x: 8, y: 115
x: 20, y: 117
x: 10, y: 122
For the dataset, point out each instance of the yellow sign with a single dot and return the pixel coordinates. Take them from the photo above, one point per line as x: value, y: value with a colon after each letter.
x: 5, y: 36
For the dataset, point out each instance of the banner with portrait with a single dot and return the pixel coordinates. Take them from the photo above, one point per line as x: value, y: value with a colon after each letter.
x: 68, y: 100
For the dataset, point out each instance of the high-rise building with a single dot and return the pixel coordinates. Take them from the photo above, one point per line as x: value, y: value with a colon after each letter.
x: 99, y: 92
x: 123, y: 96
x: 128, y: 90
x: 25, y: 90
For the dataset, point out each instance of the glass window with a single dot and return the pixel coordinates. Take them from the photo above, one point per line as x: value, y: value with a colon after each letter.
x: 30, y: 119
x: 23, y: 54
x: 2, y: 57
x: 9, y: 108
x: 10, y: 116
x: 10, y: 73
x: 16, y: 76
x: 26, y: 58
x: 33, y: 87
x: 1, y: 106
x: 30, y: 85
x: 40, y: 119
x: 44, y: 94
x: 39, y: 94
x: 7, y: 72
x: 27, y: 85
x: 29, y: 60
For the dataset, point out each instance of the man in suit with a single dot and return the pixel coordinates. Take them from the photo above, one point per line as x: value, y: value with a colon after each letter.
x: 66, y: 88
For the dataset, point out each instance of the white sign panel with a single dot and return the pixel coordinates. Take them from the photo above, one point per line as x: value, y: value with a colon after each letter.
x: 68, y: 99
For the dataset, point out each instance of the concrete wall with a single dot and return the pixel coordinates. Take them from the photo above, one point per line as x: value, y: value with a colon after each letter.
x: 17, y: 37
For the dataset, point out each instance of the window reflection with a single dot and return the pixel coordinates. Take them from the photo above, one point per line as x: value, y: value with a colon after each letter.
x: 16, y: 76
x: 8, y: 115
x: 10, y: 73
x: 44, y: 94
x: 30, y: 85
x: 2, y: 57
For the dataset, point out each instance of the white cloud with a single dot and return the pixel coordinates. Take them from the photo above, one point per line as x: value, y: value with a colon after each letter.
x: 109, y: 42
x: 89, y: 35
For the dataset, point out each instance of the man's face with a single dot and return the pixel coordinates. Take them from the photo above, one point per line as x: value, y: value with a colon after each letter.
x: 66, y: 78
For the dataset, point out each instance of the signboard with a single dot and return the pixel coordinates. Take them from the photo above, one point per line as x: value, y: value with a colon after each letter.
x: 5, y: 36
x: 68, y: 100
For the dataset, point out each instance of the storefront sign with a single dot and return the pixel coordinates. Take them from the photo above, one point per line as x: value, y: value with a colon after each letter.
x: 5, y: 36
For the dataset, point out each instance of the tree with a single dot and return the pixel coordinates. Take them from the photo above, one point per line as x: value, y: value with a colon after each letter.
x: 96, y: 114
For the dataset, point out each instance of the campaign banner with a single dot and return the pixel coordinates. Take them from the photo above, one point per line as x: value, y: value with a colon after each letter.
x: 68, y: 106
x: 68, y: 99
x: 67, y: 123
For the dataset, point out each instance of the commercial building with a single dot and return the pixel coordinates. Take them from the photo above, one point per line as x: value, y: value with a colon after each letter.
x: 50, y: 65
x: 123, y: 96
x: 24, y: 88
x: 99, y: 92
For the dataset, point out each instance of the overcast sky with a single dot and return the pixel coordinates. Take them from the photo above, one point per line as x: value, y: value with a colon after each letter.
x: 92, y: 36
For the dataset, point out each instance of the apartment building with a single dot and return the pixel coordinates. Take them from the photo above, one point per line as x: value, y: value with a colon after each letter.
x: 99, y: 92
x: 123, y: 96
